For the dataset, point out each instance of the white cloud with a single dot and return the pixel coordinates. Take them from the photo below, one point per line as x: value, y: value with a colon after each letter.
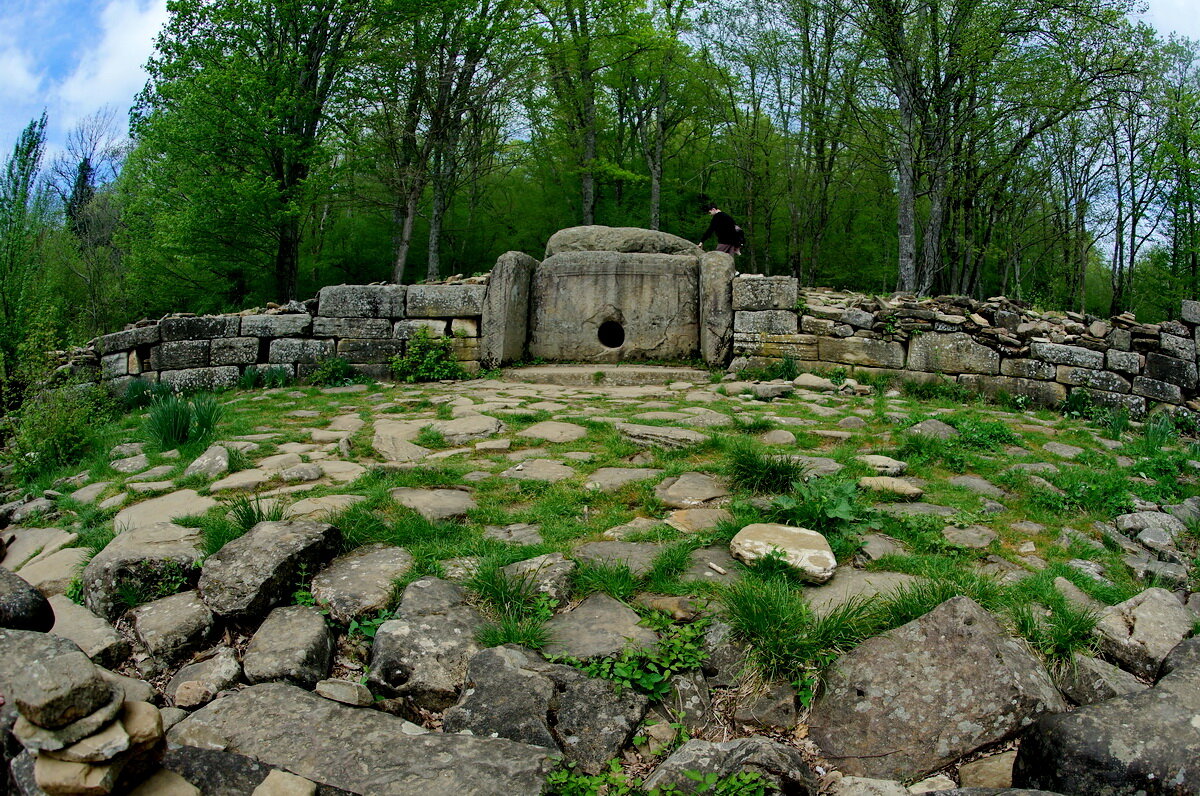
x: 1178, y: 16
x: 110, y: 72
x: 21, y: 79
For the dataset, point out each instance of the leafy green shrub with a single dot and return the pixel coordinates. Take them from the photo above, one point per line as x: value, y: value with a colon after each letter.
x: 749, y: 468
x: 174, y: 421
x: 331, y: 372
x: 140, y: 393
x: 1077, y: 404
x: 427, y: 358
x: 58, y: 427
x: 170, y: 578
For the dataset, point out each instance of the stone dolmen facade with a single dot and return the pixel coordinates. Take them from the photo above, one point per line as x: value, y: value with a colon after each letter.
x: 609, y: 295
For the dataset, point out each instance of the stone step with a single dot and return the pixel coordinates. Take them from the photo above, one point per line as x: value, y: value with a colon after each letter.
x: 614, y: 375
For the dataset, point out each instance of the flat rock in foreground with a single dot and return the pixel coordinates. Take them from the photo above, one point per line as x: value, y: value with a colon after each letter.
x: 359, y: 749
x: 923, y: 695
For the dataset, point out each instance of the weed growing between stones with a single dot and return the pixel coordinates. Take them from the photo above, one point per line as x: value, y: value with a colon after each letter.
x: 832, y: 508
x: 430, y: 437
x: 749, y: 467
x: 517, y: 611
x: 680, y: 648
x: 171, y: 577
x: 140, y: 393
x: 614, y: 579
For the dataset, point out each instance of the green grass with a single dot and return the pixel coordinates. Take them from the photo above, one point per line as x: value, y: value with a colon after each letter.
x: 751, y: 469
x: 615, y: 580
x: 517, y: 611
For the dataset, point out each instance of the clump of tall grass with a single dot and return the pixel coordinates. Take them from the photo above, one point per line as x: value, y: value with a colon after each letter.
x: 749, y: 468
x: 174, y: 421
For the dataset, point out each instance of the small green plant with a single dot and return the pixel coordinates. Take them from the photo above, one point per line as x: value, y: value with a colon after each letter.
x: 366, y: 628
x: 752, y: 424
x: 1116, y: 423
x: 273, y: 378
x: 649, y: 671
x: 829, y: 507
x: 1065, y: 632
x: 749, y: 468
x: 1077, y: 404
x: 568, y: 780
x: 427, y: 358
x: 1157, y: 433
x: 838, y: 376
x: 302, y: 593
x: 598, y: 377
x: 74, y: 590
x: 331, y: 372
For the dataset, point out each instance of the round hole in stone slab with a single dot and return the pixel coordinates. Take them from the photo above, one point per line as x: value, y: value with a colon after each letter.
x: 611, y: 334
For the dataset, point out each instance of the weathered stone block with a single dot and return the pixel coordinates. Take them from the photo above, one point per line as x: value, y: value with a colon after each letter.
x: 180, y: 355
x: 1042, y: 393
x: 1171, y: 370
x: 607, y: 307
x: 1120, y: 339
x: 757, y: 293
x: 1095, y: 379
x: 716, y: 307
x: 813, y: 325
x: 299, y: 350
x: 202, y: 328
x: 777, y: 346
x: 464, y: 327
x: 361, y: 301
x: 951, y: 353
x: 445, y: 301
x: 1181, y: 347
x: 465, y: 349
x: 1123, y: 361
x: 1136, y: 404
x: 1067, y: 355
x: 506, y: 309
x: 1190, y: 312
x: 765, y: 322
x: 368, y: 352
x: 128, y: 339
x: 276, y: 325
x: 1028, y: 369
x: 862, y: 351
x: 358, y: 328
x: 1157, y: 390
x: 234, y: 351
x: 199, y: 379
x: 114, y: 365
x: 403, y: 330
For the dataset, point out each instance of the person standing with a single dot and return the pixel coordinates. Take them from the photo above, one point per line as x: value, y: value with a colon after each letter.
x: 730, y: 237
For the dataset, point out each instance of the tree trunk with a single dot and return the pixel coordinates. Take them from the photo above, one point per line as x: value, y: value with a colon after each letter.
x: 287, y: 258
x: 907, y: 200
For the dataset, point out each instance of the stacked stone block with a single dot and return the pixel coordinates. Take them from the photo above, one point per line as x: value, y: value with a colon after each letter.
x: 991, y: 346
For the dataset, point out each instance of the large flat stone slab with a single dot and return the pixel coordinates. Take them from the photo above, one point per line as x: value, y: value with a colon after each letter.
x: 435, y: 505
x: 360, y: 582
x: 805, y: 550
x: 850, y: 584
x: 554, y: 431
x: 358, y: 749
x: 597, y: 627
x: 184, y: 503
x: 610, y: 479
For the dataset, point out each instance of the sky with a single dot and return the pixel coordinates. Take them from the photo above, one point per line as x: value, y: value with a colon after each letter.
x: 71, y: 58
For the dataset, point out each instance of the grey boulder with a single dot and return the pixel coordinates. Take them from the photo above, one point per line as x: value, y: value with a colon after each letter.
x: 916, y: 698
x: 252, y: 574
x: 139, y: 560
x: 293, y: 644
x: 783, y: 767
x: 22, y: 607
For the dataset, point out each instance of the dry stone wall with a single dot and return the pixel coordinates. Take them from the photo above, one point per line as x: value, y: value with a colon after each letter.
x: 991, y: 346
x: 366, y: 325
x: 664, y: 298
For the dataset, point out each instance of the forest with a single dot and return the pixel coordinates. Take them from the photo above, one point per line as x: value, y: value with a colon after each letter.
x: 1046, y: 150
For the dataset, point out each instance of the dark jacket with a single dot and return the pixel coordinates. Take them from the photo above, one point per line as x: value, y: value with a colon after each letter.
x: 726, y: 230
